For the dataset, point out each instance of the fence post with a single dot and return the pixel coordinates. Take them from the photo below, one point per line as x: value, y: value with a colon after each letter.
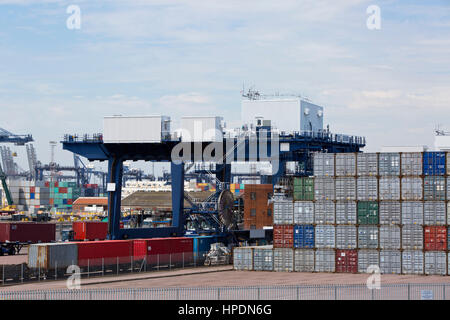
x: 443, y: 291
x: 103, y: 266
x: 117, y: 264
x: 131, y: 263
x: 157, y: 263
x: 183, y: 259
x: 56, y: 270
x: 409, y: 291
x: 21, y: 273
x: 3, y: 276
x: 298, y: 293
x: 218, y: 293
x: 88, y: 269
x: 170, y: 261
x: 335, y: 292
x: 39, y: 273
x: 259, y: 293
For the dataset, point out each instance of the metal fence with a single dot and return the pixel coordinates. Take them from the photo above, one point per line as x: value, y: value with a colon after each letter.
x: 310, y: 292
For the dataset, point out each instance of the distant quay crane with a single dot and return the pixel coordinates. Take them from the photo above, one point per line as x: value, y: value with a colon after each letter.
x: 19, y: 140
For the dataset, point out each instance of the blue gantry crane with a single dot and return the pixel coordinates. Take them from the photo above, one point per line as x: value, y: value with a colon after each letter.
x: 295, y: 147
x: 19, y: 140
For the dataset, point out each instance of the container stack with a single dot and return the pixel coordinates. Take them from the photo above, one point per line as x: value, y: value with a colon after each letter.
x: 63, y: 194
x: 367, y: 209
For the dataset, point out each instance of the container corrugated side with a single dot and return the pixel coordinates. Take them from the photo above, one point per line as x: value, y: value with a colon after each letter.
x: 390, y: 212
x: 435, y: 263
x: 345, y: 188
x: 390, y: 262
x: 434, y: 188
x: 390, y: 237
x: 367, y: 258
x: 304, y: 260
x: 411, y: 163
x: 325, y: 236
x: 412, y: 262
x: 434, y: 163
x: 263, y: 258
x: 389, y: 188
x: 345, y: 164
x: 367, y: 212
x: 304, y: 236
x: 51, y: 256
x: 367, y: 164
x: 283, y: 212
x: 324, y: 188
x: 434, y: 213
x: 412, y: 188
x: 412, y: 237
x: 303, y: 212
x: 323, y: 164
x: 367, y: 188
x: 346, y: 212
x: 389, y: 164
x: 325, y: 260
x: 435, y: 238
x: 324, y: 212
x: 368, y: 237
x: 283, y: 259
x: 346, y: 237
x: 412, y: 212
x: 243, y: 258
x: 347, y: 261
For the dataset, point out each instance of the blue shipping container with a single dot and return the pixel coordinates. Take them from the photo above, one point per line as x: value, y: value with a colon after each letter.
x: 434, y: 163
x: 304, y: 236
x: 202, y: 245
x: 31, y: 195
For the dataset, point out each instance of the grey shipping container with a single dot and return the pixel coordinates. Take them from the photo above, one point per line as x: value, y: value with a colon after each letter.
x: 390, y: 262
x: 325, y: 260
x: 325, y: 236
x: 283, y: 212
x: 390, y: 212
x: 435, y: 262
x: 412, y: 262
x: 324, y: 188
x: 412, y: 212
x: 368, y: 237
x: 412, y: 188
x: 390, y: 237
x: 346, y: 212
x: 346, y: 237
x: 263, y: 258
x: 434, y: 188
x: 304, y: 260
x: 367, y: 164
x: 303, y: 212
x: 389, y: 188
x: 323, y: 164
x: 389, y: 164
x: 434, y: 213
x: 411, y: 163
x: 345, y: 188
x: 367, y: 188
x: 51, y: 256
x: 412, y: 237
x: 345, y: 164
x: 367, y: 258
x: 324, y: 212
x: 243, y: 258
x: 283, y: 259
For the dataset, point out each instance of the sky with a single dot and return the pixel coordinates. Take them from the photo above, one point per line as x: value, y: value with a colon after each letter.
x: 185, y: 57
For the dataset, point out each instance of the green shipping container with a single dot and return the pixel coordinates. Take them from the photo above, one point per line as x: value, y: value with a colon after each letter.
x: 304, y: 189
x: 368, y: 212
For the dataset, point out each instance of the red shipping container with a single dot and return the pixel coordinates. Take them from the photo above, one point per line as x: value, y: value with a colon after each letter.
x: 32, y: 189
x: 110, y: 252
x: 27, y: 232
x: 435, y: 238
x: 69, y: 201
x: 91, y: 230
x: 47, y: 184
x: 55, y: 184
x: 63, y: 190
x: 161, y: 251
x: 283, y: 236
x: 347, y: 261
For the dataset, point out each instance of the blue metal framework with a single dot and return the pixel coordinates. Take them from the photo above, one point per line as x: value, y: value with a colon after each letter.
x: 20, y: 140
x: 300, y: 145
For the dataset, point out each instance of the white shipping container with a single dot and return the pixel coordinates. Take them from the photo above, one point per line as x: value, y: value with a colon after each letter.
x: 304, y: 260
x: 412, y: 188
x: 435, y: 262
x: 324, y: 188
x: 389, y: 164
x: 324, y: 212
x: 283, y: 212
x: 411, y: 163
x: 345, y: 188
x: 303, y: 212
x: 345, y: 164
x: 412, y: 237
x: 412, y: 262
x: 325, y: 260
x: 346, y: 237
x: 412, y: 212
x: 390, y: 262
x: 201, y: 129
x: 325, y: 236
x: 346, y: 212
x: 283, y: 259
x: 367, y: 164
x: 434, y: 213
x: 243, y: 258
x: 367, y: 188
x: 389, y: 237
x: 368, y: 237
x: 390, y: 212
x: 367, y: 258
x: 139, y: 129
x: 323, y: 164
x: 389, y: 188
x: 263, y: 258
